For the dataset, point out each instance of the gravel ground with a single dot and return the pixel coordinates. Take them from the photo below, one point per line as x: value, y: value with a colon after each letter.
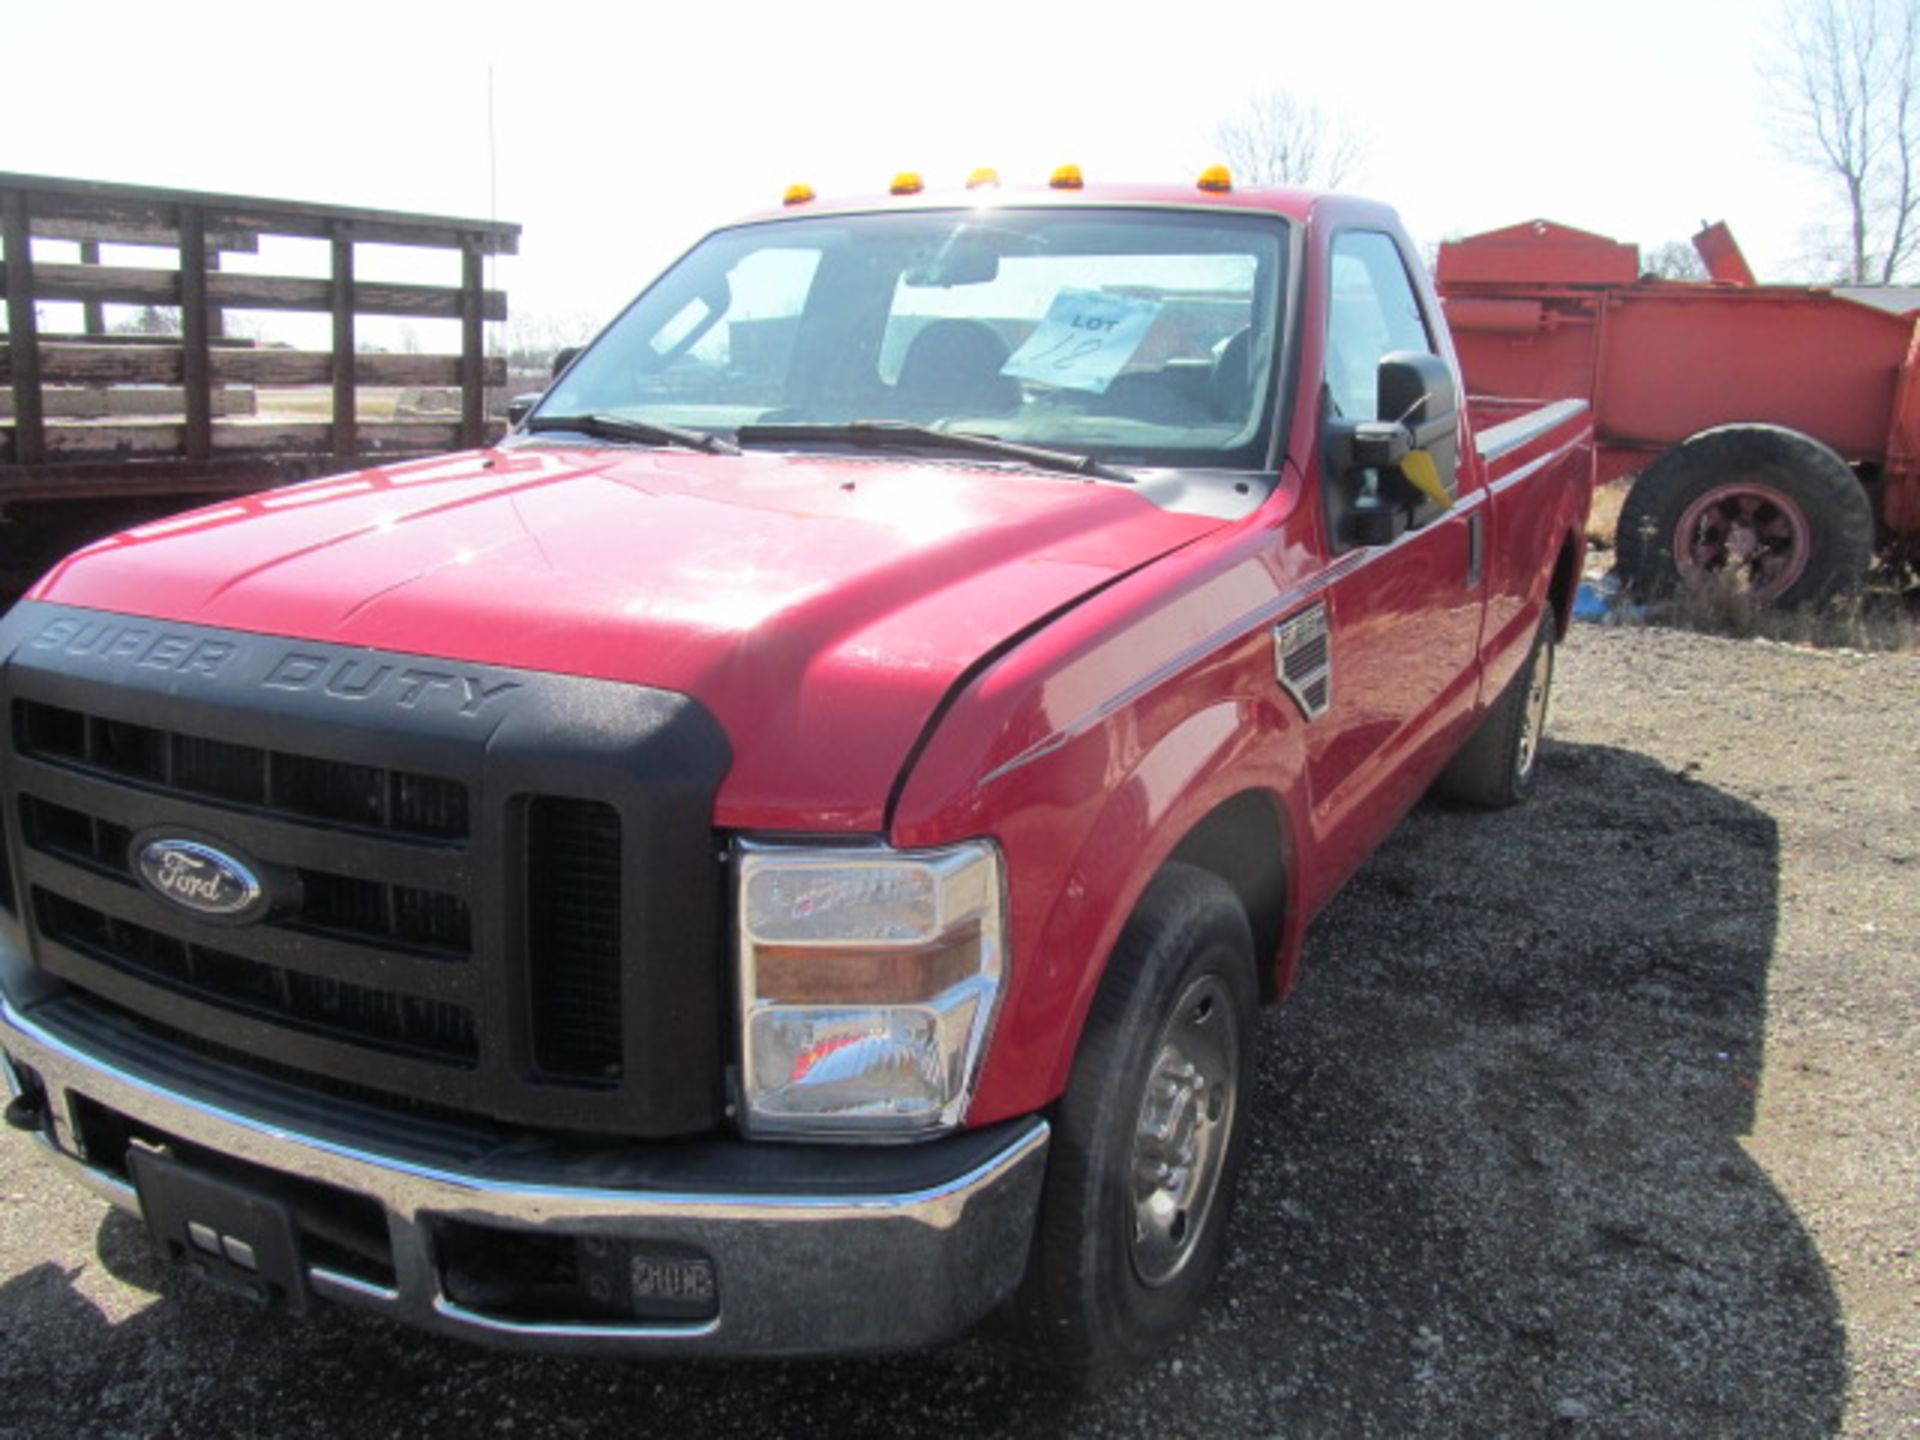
x: 1597, y: 1117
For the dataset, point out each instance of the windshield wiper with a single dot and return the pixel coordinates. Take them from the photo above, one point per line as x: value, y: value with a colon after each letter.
x: 905, y: 435
x: 641, y: 432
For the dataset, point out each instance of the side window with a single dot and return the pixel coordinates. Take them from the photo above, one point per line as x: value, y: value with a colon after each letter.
x: 1372, y: 312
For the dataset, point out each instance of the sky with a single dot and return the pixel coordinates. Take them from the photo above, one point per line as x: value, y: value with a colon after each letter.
x: 618, y: 134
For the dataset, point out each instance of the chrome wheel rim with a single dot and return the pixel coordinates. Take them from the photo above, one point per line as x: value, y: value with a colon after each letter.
x: 1180, y: 1135
x: 1533, y: 716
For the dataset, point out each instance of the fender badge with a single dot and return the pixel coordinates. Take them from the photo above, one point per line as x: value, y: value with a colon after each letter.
x: 1303, y: 660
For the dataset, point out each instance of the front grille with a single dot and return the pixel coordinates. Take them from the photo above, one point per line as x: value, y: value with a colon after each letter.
x: 489, y: 892
x: 318, y: 1005
x: 398, y: 916
x: 404, y: 918
x: 84, y: 839
x: 196, y: 767
x: 320, y: 1103
x: 573, y: 937
x: 7, y: 901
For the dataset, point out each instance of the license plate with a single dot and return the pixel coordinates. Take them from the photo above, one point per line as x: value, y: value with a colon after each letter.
x: 648, y: 1280
x: 236, y: 1238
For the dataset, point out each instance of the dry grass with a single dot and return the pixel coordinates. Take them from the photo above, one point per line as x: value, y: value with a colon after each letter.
x: 1877, y: 619
x: 315, y: 402
x: 1604, y: 518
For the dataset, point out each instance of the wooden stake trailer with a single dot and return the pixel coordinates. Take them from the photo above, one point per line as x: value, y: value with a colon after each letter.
x: 1775, y: 428
x: 104, y: 429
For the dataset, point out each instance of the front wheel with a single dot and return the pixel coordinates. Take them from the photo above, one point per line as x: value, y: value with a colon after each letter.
x: 1151, y: 1133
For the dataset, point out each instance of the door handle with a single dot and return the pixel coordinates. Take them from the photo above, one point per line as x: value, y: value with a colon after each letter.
x: 1476, y: 550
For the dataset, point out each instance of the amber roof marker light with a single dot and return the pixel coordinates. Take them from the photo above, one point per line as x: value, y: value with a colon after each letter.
x: 986, y: 177
x: 907, y: 182
x: 1216, y: 180
x: 797, y: 195
x: 1067, y: 177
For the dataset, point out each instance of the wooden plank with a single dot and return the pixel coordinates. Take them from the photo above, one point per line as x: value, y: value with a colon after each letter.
x: 65, y: 198
x: 216, y: 317
x: 196, y: 367
x: 164, y: 236
x: 432, y: 302
x: 114, y: 284
x: 419, y: 369
x: 75, y: 337
x: 53, y: 206
x: 344, y: 440
x: 130, y: 285
x: 93, y: 317
x: 167, y: 401
x: 29, y: 425
x: 101, y: 364
x: 160, y: 364
x: 175, y: 480
x: 419, y: 436
x: 379, y: 440
x: 368, y: 227
x: 166, y: 478
x: 114, y: 440
x: 473, y: 340
x: 315, y: 367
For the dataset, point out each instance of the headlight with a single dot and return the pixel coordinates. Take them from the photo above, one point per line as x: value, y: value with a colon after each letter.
x: 868, y: 981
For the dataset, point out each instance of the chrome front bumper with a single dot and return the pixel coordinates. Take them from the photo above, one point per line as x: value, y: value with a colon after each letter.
x: 822, y: 1265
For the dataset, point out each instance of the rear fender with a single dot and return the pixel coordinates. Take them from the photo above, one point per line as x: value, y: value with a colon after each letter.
x: 1556, y: 567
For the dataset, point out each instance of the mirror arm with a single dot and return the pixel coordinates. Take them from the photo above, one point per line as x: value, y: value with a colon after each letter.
x: 1380, y: 444
x: 1432, y: 431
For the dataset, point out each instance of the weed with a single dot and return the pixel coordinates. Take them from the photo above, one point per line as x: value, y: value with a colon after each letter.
x: 1604, y: 519
x: 1877, y: 618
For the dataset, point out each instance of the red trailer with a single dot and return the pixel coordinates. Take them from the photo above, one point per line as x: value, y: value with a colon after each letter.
x: 1775, y: 429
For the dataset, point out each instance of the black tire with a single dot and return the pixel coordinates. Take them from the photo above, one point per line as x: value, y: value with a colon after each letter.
x: 1497, y: 767
x: 1091, y: 1297
x: 1816, y: 524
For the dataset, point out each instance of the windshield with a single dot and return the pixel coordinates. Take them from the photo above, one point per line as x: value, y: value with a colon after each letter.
x: 1135, y: 336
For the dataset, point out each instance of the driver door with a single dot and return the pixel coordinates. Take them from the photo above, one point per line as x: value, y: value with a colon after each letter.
x: 1404, y: 615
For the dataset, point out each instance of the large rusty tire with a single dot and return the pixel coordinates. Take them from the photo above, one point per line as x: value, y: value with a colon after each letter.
x: 1759, y: 508
x: 1149, y: 1138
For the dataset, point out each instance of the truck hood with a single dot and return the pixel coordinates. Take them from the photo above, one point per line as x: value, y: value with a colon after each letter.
x: 820, y: 607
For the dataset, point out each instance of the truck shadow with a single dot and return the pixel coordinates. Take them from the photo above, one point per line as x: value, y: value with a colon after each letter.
x: 1498, y: 1169
x: 1496, y: 1188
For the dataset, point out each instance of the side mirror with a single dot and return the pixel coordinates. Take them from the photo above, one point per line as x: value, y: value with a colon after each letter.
x: 520, y: 406
x: 1418, y: 398
x: 564, y: 357
x: 1390, y: 474
x: 1417, y: 390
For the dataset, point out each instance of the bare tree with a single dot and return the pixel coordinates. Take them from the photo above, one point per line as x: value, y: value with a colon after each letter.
x: 1848, y: 80
x: 150, y: 320
x: 1674, y: 260
x: 533, y: 338
x: 1273, y: 138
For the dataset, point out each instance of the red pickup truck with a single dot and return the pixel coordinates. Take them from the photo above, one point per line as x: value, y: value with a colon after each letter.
x: 783, y: 854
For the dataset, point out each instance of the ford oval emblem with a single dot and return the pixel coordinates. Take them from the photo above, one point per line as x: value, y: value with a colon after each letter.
x: 199, y: 877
